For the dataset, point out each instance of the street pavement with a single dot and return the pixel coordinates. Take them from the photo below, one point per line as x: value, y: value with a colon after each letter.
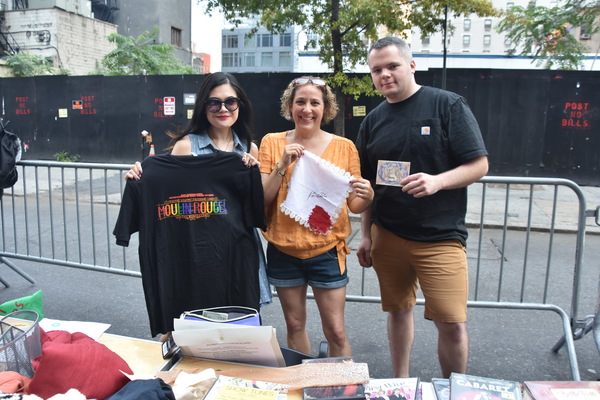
x: 507, y: 344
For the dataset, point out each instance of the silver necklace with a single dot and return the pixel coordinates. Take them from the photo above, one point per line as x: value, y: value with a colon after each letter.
x: 227, y: 145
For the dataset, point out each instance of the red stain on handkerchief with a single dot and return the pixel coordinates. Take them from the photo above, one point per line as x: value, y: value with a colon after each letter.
x: 319, y: 220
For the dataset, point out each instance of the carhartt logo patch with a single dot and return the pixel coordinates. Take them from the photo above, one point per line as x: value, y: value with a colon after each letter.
x: 425, y: 130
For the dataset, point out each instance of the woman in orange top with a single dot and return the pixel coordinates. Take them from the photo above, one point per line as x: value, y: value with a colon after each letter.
x: 297, y: 257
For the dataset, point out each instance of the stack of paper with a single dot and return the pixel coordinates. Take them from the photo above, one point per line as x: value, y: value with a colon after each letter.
x: 228, y: 342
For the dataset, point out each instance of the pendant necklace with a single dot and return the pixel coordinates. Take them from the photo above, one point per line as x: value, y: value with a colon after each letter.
x: 227, y: 145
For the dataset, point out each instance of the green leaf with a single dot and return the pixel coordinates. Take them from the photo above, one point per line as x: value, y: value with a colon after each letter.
x: 546, y: 34
x: 23, y: 65
x: 140, y: 55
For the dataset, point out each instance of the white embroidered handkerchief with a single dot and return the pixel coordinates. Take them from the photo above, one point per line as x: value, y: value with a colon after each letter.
x: 317, y: 192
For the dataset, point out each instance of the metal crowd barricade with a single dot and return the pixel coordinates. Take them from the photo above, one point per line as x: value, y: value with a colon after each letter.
x: 525, y: 284
x: 64, y: 214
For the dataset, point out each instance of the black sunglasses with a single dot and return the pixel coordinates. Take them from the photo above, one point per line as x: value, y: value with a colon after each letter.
x: 214, y: 105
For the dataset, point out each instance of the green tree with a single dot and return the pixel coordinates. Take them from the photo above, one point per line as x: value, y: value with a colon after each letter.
x: 138, y: 56
x: 547, y: 33
x: 344, y: 27
x: 23, y: 64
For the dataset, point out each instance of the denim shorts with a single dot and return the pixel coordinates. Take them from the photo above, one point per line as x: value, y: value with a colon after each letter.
x: 322, y: 271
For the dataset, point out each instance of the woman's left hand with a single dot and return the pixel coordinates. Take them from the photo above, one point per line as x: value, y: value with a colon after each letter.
x: 362, y: 188
x: 249, y: 160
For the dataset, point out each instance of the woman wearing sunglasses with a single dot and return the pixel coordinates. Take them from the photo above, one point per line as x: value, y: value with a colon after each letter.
x: 296, y: 256
x: 221, y: 121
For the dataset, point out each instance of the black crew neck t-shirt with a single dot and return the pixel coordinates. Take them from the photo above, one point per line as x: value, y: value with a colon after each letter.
x: 195, y: 216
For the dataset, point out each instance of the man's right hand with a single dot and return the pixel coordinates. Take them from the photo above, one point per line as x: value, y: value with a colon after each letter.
x: 135, y: 172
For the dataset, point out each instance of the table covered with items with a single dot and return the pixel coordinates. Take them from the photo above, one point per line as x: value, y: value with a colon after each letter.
x: 66, y: 364
x: 57, y: 365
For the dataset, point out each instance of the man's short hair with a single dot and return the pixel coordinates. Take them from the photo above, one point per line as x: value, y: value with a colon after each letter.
x: 393, y: 41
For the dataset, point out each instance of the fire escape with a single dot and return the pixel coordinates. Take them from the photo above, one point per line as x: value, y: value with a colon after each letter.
x: 8, y: 44
x: 104, y: 10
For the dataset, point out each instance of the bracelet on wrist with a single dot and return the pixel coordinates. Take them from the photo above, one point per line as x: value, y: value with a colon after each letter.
x: 282, y: 174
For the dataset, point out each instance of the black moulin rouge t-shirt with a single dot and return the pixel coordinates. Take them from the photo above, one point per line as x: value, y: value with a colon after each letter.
x: 195, y: 217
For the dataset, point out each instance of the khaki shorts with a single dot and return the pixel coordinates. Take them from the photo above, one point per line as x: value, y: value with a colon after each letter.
x: 440, y: 268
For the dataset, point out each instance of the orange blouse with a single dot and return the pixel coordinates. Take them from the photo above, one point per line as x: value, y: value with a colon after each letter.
x: 284, y: 232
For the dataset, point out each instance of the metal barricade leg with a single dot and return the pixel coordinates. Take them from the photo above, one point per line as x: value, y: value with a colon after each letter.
x: 581, y: 329
x: 596, y: 321
x: 596, y: 330
x: 16, y: 269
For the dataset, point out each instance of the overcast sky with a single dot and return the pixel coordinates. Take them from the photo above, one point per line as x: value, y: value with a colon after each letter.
x: 206, y: 34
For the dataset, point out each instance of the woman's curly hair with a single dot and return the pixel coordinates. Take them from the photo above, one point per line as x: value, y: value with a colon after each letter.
x: 330, y: 103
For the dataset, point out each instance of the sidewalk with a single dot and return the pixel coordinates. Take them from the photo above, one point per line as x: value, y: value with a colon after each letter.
x: 541, y: 212
x: 517, y: 213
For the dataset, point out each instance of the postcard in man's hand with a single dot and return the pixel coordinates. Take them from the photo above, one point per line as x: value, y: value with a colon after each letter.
x: 391, y: 173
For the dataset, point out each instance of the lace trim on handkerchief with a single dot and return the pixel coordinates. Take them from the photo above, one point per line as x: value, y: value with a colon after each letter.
x: 317, y: 192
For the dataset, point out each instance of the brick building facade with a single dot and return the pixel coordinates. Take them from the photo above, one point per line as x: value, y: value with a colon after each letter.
x: 73, y: 42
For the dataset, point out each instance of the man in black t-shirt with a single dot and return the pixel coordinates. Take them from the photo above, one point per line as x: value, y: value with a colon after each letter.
x: 415, y: 233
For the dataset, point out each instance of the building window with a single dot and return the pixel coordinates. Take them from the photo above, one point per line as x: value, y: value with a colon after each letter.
x: 466, y: 40
x: 249, y: 60
x: 231, y: 60
x: 312, y: 41
x: 507, y: 41
x: 285, y: 59
x: 426, y: 39
x: 175, y: 37
x: 487, y: 40
x: 230, y: 41
x: 264, y: 40
x: 467, y: 25
x: 249, y: 41
x: 509, y: 5
x: 584, y: 33
x: 487, y: 24
x: 285, y: 40
x: 266, y: 59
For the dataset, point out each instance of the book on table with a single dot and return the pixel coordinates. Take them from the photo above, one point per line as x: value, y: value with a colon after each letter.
x: 344, y: 392
x: 426, y: 391
x: 229, y: 388
x: 392, y: 389
x: 470, y: 387
x: 441, y: 387
x: 561, y: 390
x: 340, y: 392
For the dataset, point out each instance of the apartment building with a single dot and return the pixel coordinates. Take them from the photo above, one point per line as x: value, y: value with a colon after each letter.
x: 72, y: 33
x: 471, y: 42
x: 474, y: 42
x: 62, y: 31
x: 261, y: 52
x: 173, y: 19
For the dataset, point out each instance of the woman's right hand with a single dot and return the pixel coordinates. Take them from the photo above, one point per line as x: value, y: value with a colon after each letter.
x: 135, y: 172
x: 291, y: 153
